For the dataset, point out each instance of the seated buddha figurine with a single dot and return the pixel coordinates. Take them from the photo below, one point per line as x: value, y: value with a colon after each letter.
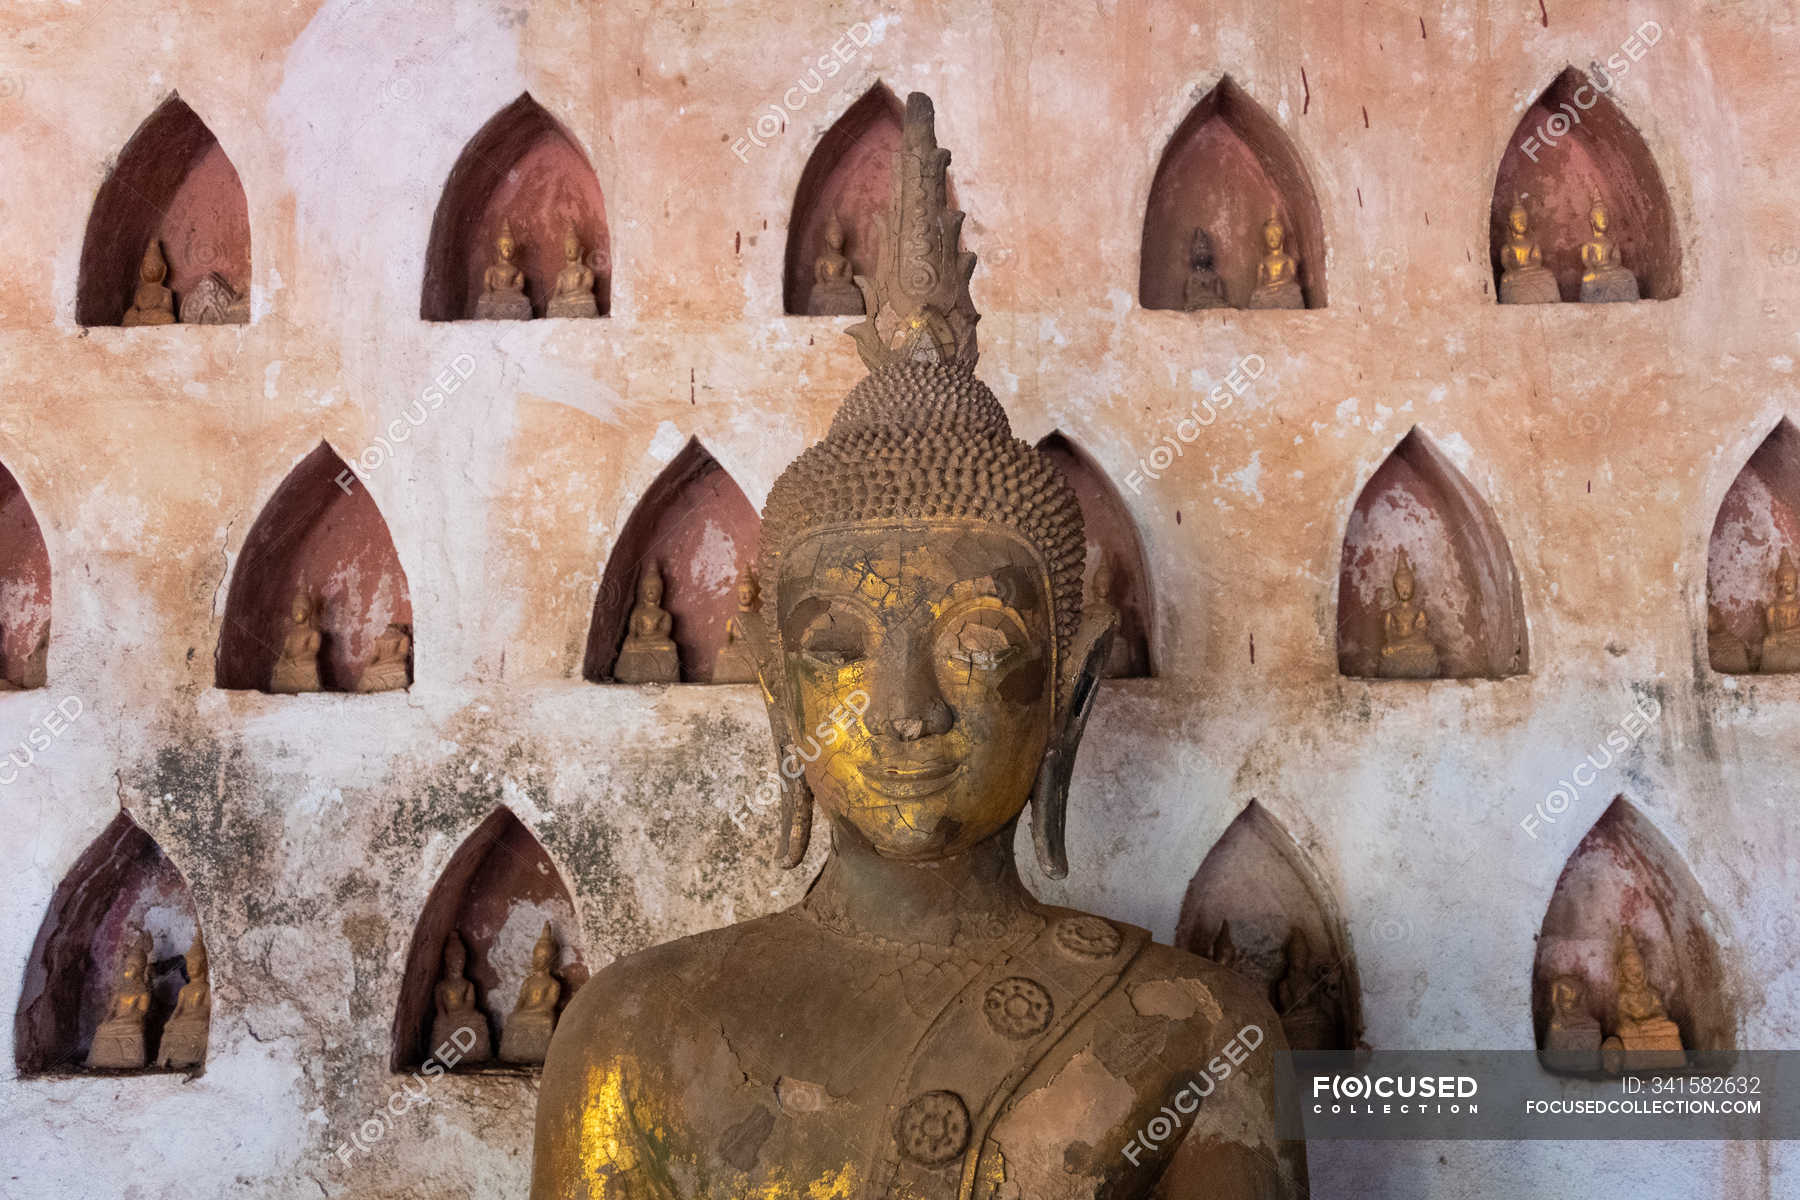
x: 574, y: 292
x: 118, y: 1044
x: 389, y: 667
x: 1725, y: 651
x: 1278, y: 274
x: 1306, y: 998
x: 213, y: 301
x: 919, y: 1025
x: 297, y: 669
x: 456, y: 1017
x: 503, y: 283
x: 526, y: 1038
x: 834, y: 291
x: 649, y: 654
x: 735, y: 663
x: 1781, y: 621
x: 1649, y: 1039
x: 1407, y: 651
x: 151, y: 303
x: 1604, y: 278
x: 1224, y: 951
x: 1524, y: 279
x: 1204, y: 289
x: 1572, y: 1037
x: 184, y: 1037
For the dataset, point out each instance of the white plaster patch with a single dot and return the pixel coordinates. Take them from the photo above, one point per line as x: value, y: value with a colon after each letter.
x: 1177, y: 999
x: 1249, y: 477
x: 1782, y: 363
x: 667, y: 443
x: 715, y: 559
x: 271, y: 379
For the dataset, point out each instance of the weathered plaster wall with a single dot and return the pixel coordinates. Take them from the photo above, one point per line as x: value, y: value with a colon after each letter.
x: 312, y: 828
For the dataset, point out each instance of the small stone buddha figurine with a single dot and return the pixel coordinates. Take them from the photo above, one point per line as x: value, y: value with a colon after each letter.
x: 834, y: 293
x: 1407, y: 651
x: 1118, y: 658
x: 389, y: 668
x: 119, y: 1042
x: 1204, y: 288
x: 1224, y: 950
x: 213, y: 301
x: 503, y: 295
x: 184, y: 1037
x: 735, y: 663
x: 1305, y: 997
x: 1278, y: 274
x: 526, y: 1038
x: 151, y: 303
x: 649, y: 654
x: 919, y: 1025
x: 1524, y: 279
x: 574, y: 294
x: 1727, y: 652
x: 456, y: 1011
x: 1644, y: 1032
x: 297, y: 670
x: 1572, y: 1037
x: 1781, y: 621
x: 1604, y: 278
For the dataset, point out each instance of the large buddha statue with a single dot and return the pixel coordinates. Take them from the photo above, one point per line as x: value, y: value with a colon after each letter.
x: 118, y: 1044
x: 1204, y: 289
x: 503, y: 283
x: 574, y: 294
x: 1524, y: 279
x: 920, y: 1025
x: 1604, y: 278
x: 1278, y: 273
x: 526, y: 1038
x: 834, y: 292
x: 649, y: 654
x: 184, y: 1037
x: 151, y: 303
x: 1407, y: 651
x: 1643, y: 1029
x: 1781, y: 620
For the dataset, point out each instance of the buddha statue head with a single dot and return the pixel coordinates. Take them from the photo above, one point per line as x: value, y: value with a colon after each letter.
x: 1568, y: 996
x: 571, y: 244
x: 136, y: 975
x: 196, y: 959
x: 1517, y: 220
x: 650, y: 586
x: 1787, y: 578
x: 1628, y: 962
x: 302, y: 611
x: 1597, y: 216
x: 154, y: 267
x: 456, y: 956
x: 504, y: 244
x: 543, y: 954
x: 921, y: 573
x: 1200, y: 251
x: 1404, y: 583
x: 747, y: 592
x: 1274, y: 233
x: 834, y: 234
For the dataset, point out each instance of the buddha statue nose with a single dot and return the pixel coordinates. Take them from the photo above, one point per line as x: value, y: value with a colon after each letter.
x: 904, y: 699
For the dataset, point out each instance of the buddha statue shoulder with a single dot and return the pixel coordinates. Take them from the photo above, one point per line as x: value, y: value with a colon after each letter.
x: 297, y: 668
x: 1604, y: 277
x: 920, y: 1025
x: 184, y: 1037
x: 1278, y: 273
x: 834, y: 292
x: 151, y: 303
x: 1203, y: 289
x: 1781, y: 620
x: 736, y: 662
x: 649, y: 654
x: 574, y: 293
x: 118, y: 1043
x: 1407, y: 651
x: 1524, y: 279
x: 503, y: 283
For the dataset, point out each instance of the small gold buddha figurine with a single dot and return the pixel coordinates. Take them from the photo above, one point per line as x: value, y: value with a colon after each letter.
x: 389, y: 668
x: 1278, y: 274
x: 834, y: 293
x: 151, y: 303
x: 297, y: 670
x: 119, y: 1042
x: 1604, y: 278
x: 649, y: 654
x: 458, y: 1021
x: 526, y: 1038
x: 213, y: 301
x: 1524, y: 279
x: 735, y: 663
x: 1572, y: 1038
x: 574, y: 294
x: 1781, y: 621
x: 184, y: 1037
x: 503, y: 297
x: 1407, y: 651
x: 1644, y: 1034
x: 1204, y: 288
x: 1305, y: 996
x: 1727, y: 652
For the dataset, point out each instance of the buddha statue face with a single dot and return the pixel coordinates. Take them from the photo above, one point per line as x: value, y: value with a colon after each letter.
x: 543, y: 955
x: 301, y: 611
x: 505, y: 246
x: 1787, y: 581
x: 571, y: 246
x: 152, y: 268
x: 455, y: 957
x: 137, y: 963
x: 1631, y: 969
x: 746, y: 592
x: 1403, y: 584
x: 650, y: 588
x: 834, y: 235
x: 1565, y: 995
x: 1597, y: 218
x: 196, y: 960
x: 1517, y: 221
x: 1273, y: 235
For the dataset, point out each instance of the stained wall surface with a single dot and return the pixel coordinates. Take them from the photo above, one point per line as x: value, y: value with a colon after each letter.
x: 312, y: 828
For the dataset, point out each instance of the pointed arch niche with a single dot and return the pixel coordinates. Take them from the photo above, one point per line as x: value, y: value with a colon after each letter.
x: 1228, y: 166
x: 696, y: 525
x: 497, y: 891
x: 173, y: 184
x: 121, y: 884
x: 1258, y: 880
x: 1758, y: 521
x: 1623, y: 874
x: 849, y: 175
x: 1112, y: 539
x: 526, y: 168
x: 24, y: 591
x: 1417, y: 502
x: 1603, y: 155
x: 320, y: 535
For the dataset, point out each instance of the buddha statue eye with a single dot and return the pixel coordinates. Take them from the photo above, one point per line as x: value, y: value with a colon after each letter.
x: 834, y: 641
x: 983, y: 639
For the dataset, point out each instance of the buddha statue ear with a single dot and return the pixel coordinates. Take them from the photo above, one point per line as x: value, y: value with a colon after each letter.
x: 1050, y: 791
x: 796, y: 793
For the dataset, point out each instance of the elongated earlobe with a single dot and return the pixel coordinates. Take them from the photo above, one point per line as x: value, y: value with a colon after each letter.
x: 1049, y: 811
x: 796, y: 812
x: 1050, y: 790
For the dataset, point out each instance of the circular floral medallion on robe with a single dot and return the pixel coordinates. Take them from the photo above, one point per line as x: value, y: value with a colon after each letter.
x: 1087, y: 937
x: 1018, y: 1007
x: 933, y: 1128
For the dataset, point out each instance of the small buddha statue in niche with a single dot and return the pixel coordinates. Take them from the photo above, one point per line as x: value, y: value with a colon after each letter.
x: 455, y: 1008
x: 389, y: 667
x: 649, y: 654
x: 834, y: 293
x: 1204, y: 289
x: 1224, y: 951
x: 1727, y: 652
x: 526, y: 1038
x: 1644, y: 1032
x: 1572, y: 1037
x: 1524, y: 279
x: 734, y: 663
x: 151, y: 303
x: 1604, y: 278
x: 213, y: 301
x: 297, y: 669
x: 1278, y: 274
x: 503, y: 283
x: 1407, y: 651
x: 574, y: 294
x: 119, y: 1042
x: 184, y: 1037
x: 1781, y: 621
x: 1118, y: 659
x: 1305, y: 996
